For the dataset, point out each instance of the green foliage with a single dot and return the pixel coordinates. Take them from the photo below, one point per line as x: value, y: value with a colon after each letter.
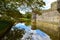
x: 8, y: 10
x: 14, y: 13
x: 28, y: 15
x: 5, y: 26
x: 9, y: 7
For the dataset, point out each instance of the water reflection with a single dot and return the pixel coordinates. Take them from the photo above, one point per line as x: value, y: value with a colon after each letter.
x: 30, y: 34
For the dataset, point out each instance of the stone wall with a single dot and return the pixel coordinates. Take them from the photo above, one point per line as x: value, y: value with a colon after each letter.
x: 46, y: 22
x: 51, y: 16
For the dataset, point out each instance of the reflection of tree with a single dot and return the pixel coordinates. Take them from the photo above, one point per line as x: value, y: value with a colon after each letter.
x: 34, y: 16
x: 14, y: 34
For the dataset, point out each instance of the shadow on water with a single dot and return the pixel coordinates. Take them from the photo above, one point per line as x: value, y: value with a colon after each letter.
x: 20, y: 31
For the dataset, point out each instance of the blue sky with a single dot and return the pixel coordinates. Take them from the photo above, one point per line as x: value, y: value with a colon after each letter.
x: 48, y: 3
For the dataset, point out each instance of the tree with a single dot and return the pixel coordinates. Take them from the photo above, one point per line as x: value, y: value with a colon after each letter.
x: 28, y: 15
x: 35, y: 6
x: 8, y: 6
x: 8, y: 15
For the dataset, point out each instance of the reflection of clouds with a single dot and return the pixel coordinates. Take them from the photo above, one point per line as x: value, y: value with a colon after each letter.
x: 48, y: 3
x: 32, y: 34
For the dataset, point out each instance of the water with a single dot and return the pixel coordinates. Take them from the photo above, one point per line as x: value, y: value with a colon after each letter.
x: 31, y: 34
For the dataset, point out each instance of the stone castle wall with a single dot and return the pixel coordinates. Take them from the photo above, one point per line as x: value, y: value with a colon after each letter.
x: 51, y: 15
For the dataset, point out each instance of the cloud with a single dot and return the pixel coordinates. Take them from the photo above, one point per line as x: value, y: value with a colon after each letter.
x: 48, y: 3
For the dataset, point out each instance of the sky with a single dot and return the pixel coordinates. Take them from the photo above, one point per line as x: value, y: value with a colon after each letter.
x: 48, y: 5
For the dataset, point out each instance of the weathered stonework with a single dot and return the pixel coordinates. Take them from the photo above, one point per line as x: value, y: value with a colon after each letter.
x: 52, y: 15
